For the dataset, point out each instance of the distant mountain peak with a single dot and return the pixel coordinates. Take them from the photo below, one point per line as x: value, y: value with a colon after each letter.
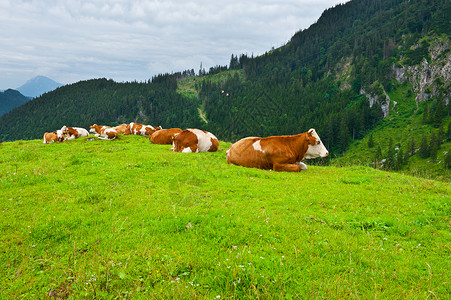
x: 38, y: 86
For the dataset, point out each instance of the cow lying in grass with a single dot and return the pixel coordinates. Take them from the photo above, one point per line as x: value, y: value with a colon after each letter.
x: 164, y: 136
x: 194, y: 140
x: 103, y: 132
x: 50, y: 137
x: 279, y: 153
x: 140, y: 129
x: 121, y: 129
x: 71, y: 133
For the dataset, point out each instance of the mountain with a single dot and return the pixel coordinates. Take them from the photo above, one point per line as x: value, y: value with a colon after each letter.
x: 360, y: 68
x: 38, y: 86
x: 10, y: 99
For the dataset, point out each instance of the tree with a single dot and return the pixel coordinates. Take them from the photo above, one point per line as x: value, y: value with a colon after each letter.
x: 377, y: 156
x: 412, y: 147
x: 234, y: 63
x: 400, y: 160
x: 425, y: 114
x: 448, y: 160
x: 433, y: 147
x: 371, y: 141
x: 390, y: 161
x: 424, y: 147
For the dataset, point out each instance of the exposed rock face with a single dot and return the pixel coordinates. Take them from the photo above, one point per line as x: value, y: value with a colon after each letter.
x: 383, y: 100
x: 429, y: 78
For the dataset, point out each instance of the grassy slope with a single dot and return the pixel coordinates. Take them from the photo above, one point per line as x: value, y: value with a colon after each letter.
x: 187, y: 86
x: 404, y: 122
x: 87, y: 219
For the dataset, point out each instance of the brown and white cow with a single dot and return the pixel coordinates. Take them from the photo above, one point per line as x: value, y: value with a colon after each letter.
x: 71, y: 133
x: 144, y: 130
x: 122, y: 129
x: 164, y: 136
x: 50, y: 137
x: 103, y: 132
x: 56, y: 136
x: 279, y: 153
x: 194, y: 140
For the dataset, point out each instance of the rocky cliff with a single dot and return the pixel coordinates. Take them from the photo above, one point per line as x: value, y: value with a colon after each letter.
x: 431, y: 77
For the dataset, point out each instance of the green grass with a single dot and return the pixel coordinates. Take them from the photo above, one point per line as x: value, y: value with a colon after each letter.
x: 129, y: 219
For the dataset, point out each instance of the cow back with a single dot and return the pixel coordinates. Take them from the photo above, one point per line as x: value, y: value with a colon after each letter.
x: 164, y: 136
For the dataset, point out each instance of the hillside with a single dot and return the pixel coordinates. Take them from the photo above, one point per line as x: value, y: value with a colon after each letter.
x: 128, y: 219
x: 341, y: 76
x: 421, y: 140
x: 103, y: 102
x: 11, y: 99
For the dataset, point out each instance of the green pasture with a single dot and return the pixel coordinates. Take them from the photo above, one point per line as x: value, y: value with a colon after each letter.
x: 126, y: 219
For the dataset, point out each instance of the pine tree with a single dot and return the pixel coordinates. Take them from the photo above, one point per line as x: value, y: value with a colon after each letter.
x: 424, y: 147
x: 448, y: 160
x: 371, y: 141
x: 344, y: 134
x: 390, y: 161
x: 412, y: 147
x: 377, y: 157
x: 439, y: 112
x: 433, y: 147
x: 425, y: 114
x: 399, y: 160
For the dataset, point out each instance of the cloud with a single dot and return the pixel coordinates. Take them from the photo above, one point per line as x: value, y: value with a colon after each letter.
x: 134, y: 40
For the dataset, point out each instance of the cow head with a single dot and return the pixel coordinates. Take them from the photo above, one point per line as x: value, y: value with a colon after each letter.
x: 93, y: 128
x: 60, y: 135
x: 315, y: 146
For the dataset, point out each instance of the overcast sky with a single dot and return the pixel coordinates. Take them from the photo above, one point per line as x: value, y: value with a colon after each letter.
x: 73, y: 40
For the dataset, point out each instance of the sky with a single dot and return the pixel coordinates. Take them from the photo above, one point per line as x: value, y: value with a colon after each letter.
x: 127, y: 40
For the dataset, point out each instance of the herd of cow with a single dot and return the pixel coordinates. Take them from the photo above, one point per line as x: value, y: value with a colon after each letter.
x: 278, y: 153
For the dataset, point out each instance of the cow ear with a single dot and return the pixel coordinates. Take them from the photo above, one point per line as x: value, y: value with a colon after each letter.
x: 310, y: 132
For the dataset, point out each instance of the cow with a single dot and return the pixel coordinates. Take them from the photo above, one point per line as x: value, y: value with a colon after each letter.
x: 164, y: 136
x: 278, y: 153
x: 50, y: 137
x: 144, y: 130
x: 71, y: 133
x: 122, y: 129
x: 103, y: 132
x: 194, y: 140
x: 55, y: 136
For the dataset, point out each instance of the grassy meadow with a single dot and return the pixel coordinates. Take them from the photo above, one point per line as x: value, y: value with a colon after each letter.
x: 127, y: 219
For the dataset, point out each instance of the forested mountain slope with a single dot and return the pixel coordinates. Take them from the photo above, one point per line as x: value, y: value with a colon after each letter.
x: 101, y: 101
x: 335, y: 75
x: 10, y: 99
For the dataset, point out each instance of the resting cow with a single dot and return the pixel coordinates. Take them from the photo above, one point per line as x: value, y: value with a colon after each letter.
x: 71, y: 133
x: 164, y: 136
x: 121, y: 129
x: 144, y: 130
x: 103, y: 132
x: 194, y: 140
x: 279, y: 153
x: 50, y: 137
